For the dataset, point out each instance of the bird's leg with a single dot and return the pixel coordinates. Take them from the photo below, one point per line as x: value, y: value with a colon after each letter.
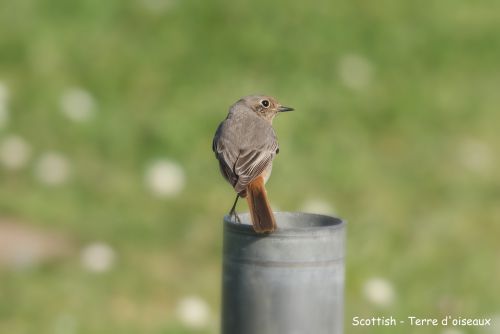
x: 233, y: 210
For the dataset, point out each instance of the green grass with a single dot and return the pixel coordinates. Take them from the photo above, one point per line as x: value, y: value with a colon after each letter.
x: 387, y: 156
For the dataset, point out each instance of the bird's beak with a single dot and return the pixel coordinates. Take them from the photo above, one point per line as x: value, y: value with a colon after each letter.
x: 283, y: 109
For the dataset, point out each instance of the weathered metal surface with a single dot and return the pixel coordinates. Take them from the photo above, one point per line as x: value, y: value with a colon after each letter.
x: 287, y: 282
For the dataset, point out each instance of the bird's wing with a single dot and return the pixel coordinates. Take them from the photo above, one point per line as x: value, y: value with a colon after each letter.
x: 251, y: 163
x: 244, y: 154
x: 226, y: 159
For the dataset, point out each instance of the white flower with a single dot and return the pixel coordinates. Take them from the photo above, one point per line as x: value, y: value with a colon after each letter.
x: 165, y: 178
x: 355, y: 71
x: 77, y: 104
x: 52, y: 169
x: 317, y: 205
x: 475, y: 155
x: 4, y: 110
x: 14, y: 152
x: 193, y: 312
x: 97, y: 257
x: 379, y: 291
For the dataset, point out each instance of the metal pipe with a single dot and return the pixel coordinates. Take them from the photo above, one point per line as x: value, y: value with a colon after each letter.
x: 287, y: 282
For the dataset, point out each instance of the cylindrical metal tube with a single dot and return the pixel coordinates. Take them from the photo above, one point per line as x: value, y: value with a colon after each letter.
x: 287, y: 282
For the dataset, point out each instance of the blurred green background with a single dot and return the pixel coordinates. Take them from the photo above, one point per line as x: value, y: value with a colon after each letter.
x: 111, y: 199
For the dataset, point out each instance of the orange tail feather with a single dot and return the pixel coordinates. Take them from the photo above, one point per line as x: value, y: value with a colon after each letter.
x: 262, y: 216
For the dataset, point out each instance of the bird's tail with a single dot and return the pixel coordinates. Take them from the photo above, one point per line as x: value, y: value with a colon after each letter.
x: 262, y: 216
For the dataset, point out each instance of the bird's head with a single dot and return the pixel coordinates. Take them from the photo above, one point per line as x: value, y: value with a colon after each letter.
x: 264, y: 106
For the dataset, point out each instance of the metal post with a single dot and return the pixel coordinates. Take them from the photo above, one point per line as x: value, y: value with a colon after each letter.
x: 287, y: 282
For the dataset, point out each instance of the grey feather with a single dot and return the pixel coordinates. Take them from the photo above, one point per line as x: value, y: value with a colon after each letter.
x: 245, y: 145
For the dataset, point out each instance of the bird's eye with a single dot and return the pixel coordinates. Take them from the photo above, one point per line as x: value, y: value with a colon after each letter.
x: 265, y: 103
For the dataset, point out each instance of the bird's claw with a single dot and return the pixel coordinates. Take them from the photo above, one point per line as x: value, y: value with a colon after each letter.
x: 235, y: 215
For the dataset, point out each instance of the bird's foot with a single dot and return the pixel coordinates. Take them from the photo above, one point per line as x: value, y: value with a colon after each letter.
x: 235, y: 215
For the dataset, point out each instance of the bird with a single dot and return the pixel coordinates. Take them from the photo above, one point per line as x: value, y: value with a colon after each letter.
x: 245, y: 145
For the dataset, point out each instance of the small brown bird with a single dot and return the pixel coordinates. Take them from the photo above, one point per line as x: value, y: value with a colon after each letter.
x: 245, y: 145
